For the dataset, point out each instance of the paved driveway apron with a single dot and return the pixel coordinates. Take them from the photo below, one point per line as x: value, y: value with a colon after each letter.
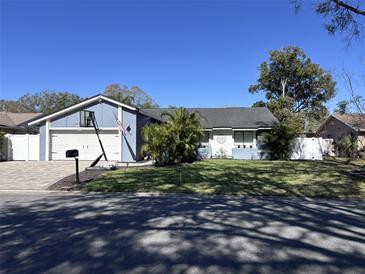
x: 34, y: 175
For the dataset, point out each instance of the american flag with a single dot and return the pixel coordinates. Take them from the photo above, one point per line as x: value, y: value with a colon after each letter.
x: 119, y: 125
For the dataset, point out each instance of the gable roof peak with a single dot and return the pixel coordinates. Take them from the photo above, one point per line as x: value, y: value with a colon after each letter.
x: 87, y: 101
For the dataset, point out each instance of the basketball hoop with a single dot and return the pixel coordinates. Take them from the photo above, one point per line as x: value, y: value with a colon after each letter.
x: 85, y: 118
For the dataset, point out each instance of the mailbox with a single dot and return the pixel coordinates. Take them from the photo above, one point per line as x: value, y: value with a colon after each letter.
x: 72, y: 153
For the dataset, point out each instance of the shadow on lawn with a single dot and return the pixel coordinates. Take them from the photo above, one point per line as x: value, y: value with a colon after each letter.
x: 124, y: 233
x: 328, y: 179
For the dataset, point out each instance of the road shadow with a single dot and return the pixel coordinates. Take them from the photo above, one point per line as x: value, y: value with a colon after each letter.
x: 126, y: 233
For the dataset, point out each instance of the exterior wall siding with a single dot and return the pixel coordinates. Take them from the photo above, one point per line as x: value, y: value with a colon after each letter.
x: 129, y: 140
x: 104, y: 114
x: 241, y: 148
x: 245, y: 153
x: 42, y: 143
x: 335, y: 129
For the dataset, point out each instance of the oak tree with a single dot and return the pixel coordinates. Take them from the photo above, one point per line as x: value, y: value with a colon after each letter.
x: 295, y: 87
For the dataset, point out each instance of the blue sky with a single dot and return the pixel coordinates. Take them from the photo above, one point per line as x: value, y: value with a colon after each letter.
x: 190, y: 53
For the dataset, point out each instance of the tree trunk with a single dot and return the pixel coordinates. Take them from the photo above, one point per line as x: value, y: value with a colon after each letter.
x: 283, y: 86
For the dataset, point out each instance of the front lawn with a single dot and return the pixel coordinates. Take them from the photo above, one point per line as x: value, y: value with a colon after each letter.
x: 330, y: 178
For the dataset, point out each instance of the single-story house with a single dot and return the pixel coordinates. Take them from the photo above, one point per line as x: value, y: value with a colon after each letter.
x: 337, y: 126
x: 11, y: 122
x: 62, y: 130
x: 229, y: 131
x: 14, y: 125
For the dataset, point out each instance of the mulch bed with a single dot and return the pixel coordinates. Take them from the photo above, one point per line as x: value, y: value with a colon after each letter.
x: 69, y: 183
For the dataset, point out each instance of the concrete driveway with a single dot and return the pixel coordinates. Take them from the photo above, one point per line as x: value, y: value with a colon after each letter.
x: 126, y: 233
x: 35, y: 175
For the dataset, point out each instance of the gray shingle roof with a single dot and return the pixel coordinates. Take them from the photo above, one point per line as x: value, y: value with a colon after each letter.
x: 237, y: 117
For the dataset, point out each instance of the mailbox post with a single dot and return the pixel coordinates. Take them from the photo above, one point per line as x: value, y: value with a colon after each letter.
x: 74, y: 153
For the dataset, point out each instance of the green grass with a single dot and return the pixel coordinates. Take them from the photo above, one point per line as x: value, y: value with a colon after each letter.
x: 329, y: 178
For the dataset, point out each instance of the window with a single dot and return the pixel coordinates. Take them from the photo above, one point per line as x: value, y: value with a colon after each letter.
x: 248, y: 137
x: 238, y: 139
x: 85, y: 120
x: 243, y: 139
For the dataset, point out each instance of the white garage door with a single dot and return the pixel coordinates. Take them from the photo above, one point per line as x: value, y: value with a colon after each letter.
x: 86, y: 143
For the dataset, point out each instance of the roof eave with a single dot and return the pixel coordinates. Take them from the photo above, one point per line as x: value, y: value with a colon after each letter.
x: 78, y: 105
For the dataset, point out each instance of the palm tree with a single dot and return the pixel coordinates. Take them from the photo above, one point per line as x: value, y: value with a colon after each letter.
x: 186, y: 131
x: 157, y: 143
x: 176, y: 140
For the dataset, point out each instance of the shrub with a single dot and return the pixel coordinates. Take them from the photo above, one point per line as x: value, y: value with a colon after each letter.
x: 222, y: 154
x: 278, y: 141
x: 347, y: 145
x: 2, y: 139
x: 157, y: 144
x: 174, y: 141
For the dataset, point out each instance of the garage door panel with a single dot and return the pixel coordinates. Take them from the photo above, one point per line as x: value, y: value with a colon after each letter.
x: 86, y: 142
x: 92, y: 149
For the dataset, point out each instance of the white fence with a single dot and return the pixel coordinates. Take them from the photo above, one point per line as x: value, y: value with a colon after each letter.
x: 21, y: 147
x: 328, y: 147
x: 307, y: 149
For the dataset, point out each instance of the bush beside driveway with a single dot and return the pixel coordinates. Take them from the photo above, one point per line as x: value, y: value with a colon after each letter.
x: 331, y: 178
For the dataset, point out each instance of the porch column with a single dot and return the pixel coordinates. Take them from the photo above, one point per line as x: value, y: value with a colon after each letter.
x: 27, y: 147
x: 48, y: 141
x: 120, y: 135
x: 254, y: 139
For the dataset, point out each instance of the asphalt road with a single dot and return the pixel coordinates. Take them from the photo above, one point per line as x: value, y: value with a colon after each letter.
x: 125, y: 233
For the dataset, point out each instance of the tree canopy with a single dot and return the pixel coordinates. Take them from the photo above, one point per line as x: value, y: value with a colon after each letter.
x: 295, y: 87
x: 45, y: 102
x: 344, y: 16
x: 132, y: 96
x: 342, y: 107
x: 51, y: 101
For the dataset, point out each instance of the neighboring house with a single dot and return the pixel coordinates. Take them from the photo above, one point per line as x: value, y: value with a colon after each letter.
x: 229, y: 131
x: 16, y: 131
x: 14, y: 123
x: 337, y: 126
